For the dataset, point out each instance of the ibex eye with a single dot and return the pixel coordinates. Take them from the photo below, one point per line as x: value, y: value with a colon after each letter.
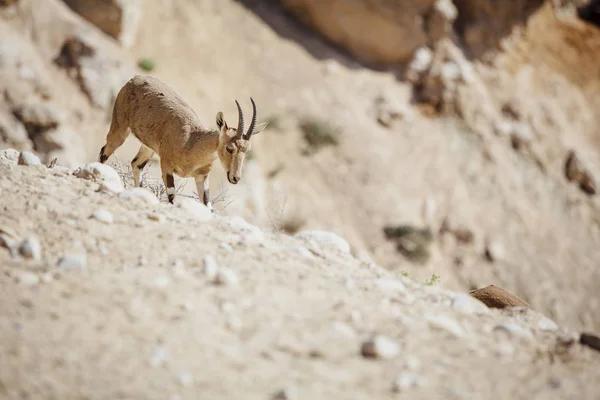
x: 229, y: 149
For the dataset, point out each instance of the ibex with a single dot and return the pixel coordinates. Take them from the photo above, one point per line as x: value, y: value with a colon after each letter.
x: 168, y: 126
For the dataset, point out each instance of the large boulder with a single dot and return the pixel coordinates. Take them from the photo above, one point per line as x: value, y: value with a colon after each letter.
x: 377, y: 31
x: 117, y: 18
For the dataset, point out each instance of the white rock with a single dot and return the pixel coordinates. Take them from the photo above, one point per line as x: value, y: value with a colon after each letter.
x: 110, y: 187
x: 194, y: 208
x: 28, y: 158
x: 380, y: 346
x: 226, y: 246
x: 325, y: 240
x: 103, y: 216
x: 161, y: 282
x: 159, y: 357
x: 546, y: 324
x: 101, y: 173
x: 27, y: 278
x: 233, y: 323
x: 226, y: 276
x: 186, y: 379
x: 390, y: 284
x: 408, y: 380
x: 343, y: 329
x: 412, y: 363
x: 210, y: 267
x: 494, y: 251
x: 72, y: 261
x: 505, y: 349
x: 445, y: 323
x: 302, y: 251
x: 514, y: 330
x: 31, y: 248
x: 9, y: 156
x: 468, y: 305
x: 140, y: 193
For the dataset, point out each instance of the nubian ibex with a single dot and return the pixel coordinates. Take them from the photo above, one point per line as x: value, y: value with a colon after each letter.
x: 168, y: 126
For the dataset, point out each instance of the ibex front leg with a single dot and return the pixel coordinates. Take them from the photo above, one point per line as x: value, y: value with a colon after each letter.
x: 169, y: 181
x: 202, y: 188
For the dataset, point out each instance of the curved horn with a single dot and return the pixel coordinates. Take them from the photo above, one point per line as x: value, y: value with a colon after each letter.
x: 240, y: 128
x: 253, y: 123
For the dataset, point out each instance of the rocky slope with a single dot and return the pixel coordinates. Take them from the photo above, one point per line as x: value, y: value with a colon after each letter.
x: 460, y: 151
x: 115, y: 295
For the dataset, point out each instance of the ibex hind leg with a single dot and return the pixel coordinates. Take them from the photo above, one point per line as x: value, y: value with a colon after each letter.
x: 114, y: 140
x: 169, y: 181
x: 139, y: 162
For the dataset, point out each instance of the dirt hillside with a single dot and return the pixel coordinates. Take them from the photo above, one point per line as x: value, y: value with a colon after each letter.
x: 462, y: 157
x: 117, y: 296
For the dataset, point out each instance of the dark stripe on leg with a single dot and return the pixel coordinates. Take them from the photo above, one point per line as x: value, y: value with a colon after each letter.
x: 170, y: 188
x: 142, y: 165
x: 102, y: 157
x: 206, y: 197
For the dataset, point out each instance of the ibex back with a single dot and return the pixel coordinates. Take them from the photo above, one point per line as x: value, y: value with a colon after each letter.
x: 168, y: 126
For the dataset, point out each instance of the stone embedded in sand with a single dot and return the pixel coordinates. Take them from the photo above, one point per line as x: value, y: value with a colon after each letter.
x: 408, y: 380
x: 514, y: 330
x: 9, y: 156
x: 576, y: 171
x: 226, y: 276
x: 72, y: 261
x: 286, y: 393
x: 468, y: 305
x: 496, y: 297
x: 100, y: 173
x: 325, y: 240
x: 494, y: 251
x: 140, y: 193
x: 31, y: 248
x: 27, y: 278
x: 210, y: 267
x: 28, y: 158
x: 590, y: 340
x: 380, y: 346
x: 194, y: 208
x: 446, y: 324
x: 103, y: 216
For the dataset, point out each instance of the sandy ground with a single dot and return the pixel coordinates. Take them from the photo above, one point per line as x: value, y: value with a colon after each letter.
x: 143, y: 318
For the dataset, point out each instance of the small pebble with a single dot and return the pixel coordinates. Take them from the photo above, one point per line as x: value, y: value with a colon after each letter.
x: 159, y: 357
x: 28, y: 158
x: 468, y: 305
x: 390, y: 284
x: 161, y: 282
x: 226, y: 246
x: 156, y: 217
x: 226, y: 276
x: 210, y: 267
x: 27, y: 278
x: 233, y: 323
x: 72, y: 261
x: 103, y: 216
x: 285, y: 394
x: 31, y: 248
x: 408, y: 380
x: 381, y: 347
x: 447, y: 324
x: 514, y: 330
x: 186, y: 379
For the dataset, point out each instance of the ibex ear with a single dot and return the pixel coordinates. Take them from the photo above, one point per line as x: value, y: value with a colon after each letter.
x: 221, y: 120
x: 260, y: 127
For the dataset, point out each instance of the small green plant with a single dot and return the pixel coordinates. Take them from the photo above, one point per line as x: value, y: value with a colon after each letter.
x: 434, y: 280
x: 319, y: 134
x: 147, y: 64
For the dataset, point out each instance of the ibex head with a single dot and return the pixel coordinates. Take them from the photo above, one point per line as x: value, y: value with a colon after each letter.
x: 234, y: 143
